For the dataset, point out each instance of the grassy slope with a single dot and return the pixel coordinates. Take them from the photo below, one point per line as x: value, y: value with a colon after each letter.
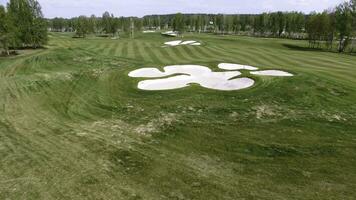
x: 74, y: 126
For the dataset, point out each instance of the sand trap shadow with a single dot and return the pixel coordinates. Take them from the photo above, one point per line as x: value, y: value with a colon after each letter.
x: 302, y: 48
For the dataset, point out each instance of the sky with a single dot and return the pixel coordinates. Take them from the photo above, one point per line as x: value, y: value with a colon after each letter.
x: 72, y: 8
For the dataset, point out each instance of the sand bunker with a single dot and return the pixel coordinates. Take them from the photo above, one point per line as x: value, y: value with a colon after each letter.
x: 180, y: 42
x: 230, y: 66
x: 188, y: 42
x: 147, y: 73
x: 188, y: 74
x: 271, y: 73
x: 173, y: 43
x: 170, y: 33
x: 149, y: 31
x: 180, y: 76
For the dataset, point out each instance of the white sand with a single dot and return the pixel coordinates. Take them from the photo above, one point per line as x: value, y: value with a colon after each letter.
x: 173, y: 43
x: 196, y: 44
x: 187, y: 74
x: 170, y: 70
x: 170, y: 83
x: 180, y: 42
x: 170, y: 33
x: 149, y: 31
x: 204, y: 76
x: 221, y: 81
x: 230, y: 66
x: 147, y: 73
x: 272, y: 73
x: 188, y: 42
x: 187, y: 69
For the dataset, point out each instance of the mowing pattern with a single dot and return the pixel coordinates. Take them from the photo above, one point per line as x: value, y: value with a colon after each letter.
x: 243, y: 51
x: 73, y: 125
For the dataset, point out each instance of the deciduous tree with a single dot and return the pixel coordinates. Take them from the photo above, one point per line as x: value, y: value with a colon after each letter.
x: 343, y: 17
x: 6, y: 31
x: 178, y: 23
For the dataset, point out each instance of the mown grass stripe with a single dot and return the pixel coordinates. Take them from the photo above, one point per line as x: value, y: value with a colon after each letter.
x: 202, y: 54
x: 100, y: 49
x: 130, y: 49
x: 222, y: 54
x: 90, y: 47
x: 165, y: 55
x: 106, y: 50
x: 151, y: 54
x: 145, y: 48
x: 228, y: 54
x: 117, y: 49
x: 185, y: 53
x: 193, y: 52
x: 124, y: 50
x: 252, y: 57
x: 137, y: 51
x: 314, y: 63
x: 171, y: 54
x: 284, y: 61
x: 271, y: 61
x: 113, y: 49
x: 178, y: 54
x: 324, y: 60
x: 208, y: 53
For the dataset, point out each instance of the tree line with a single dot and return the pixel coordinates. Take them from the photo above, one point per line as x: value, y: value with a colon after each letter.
x: 22, y: 25
x: 338, y: 24
x: 106, y: 25
x: 324, y: 29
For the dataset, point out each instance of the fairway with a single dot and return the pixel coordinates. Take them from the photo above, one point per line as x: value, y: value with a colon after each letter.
x: 74, y: 125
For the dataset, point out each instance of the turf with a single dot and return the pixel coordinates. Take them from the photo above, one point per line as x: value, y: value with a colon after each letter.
x: 73, y: 125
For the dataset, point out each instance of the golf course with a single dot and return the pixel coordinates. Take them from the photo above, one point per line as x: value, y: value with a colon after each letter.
x: 75, y: 125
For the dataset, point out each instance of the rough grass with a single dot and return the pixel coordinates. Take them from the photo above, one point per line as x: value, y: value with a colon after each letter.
x: 73, y: 125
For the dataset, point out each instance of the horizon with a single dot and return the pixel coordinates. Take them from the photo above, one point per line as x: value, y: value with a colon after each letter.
x: 140, y: 8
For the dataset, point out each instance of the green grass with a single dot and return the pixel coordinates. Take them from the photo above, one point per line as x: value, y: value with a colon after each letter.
x: 73, y: 125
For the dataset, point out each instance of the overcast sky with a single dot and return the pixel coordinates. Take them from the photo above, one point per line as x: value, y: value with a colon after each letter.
x: 70, y: 8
